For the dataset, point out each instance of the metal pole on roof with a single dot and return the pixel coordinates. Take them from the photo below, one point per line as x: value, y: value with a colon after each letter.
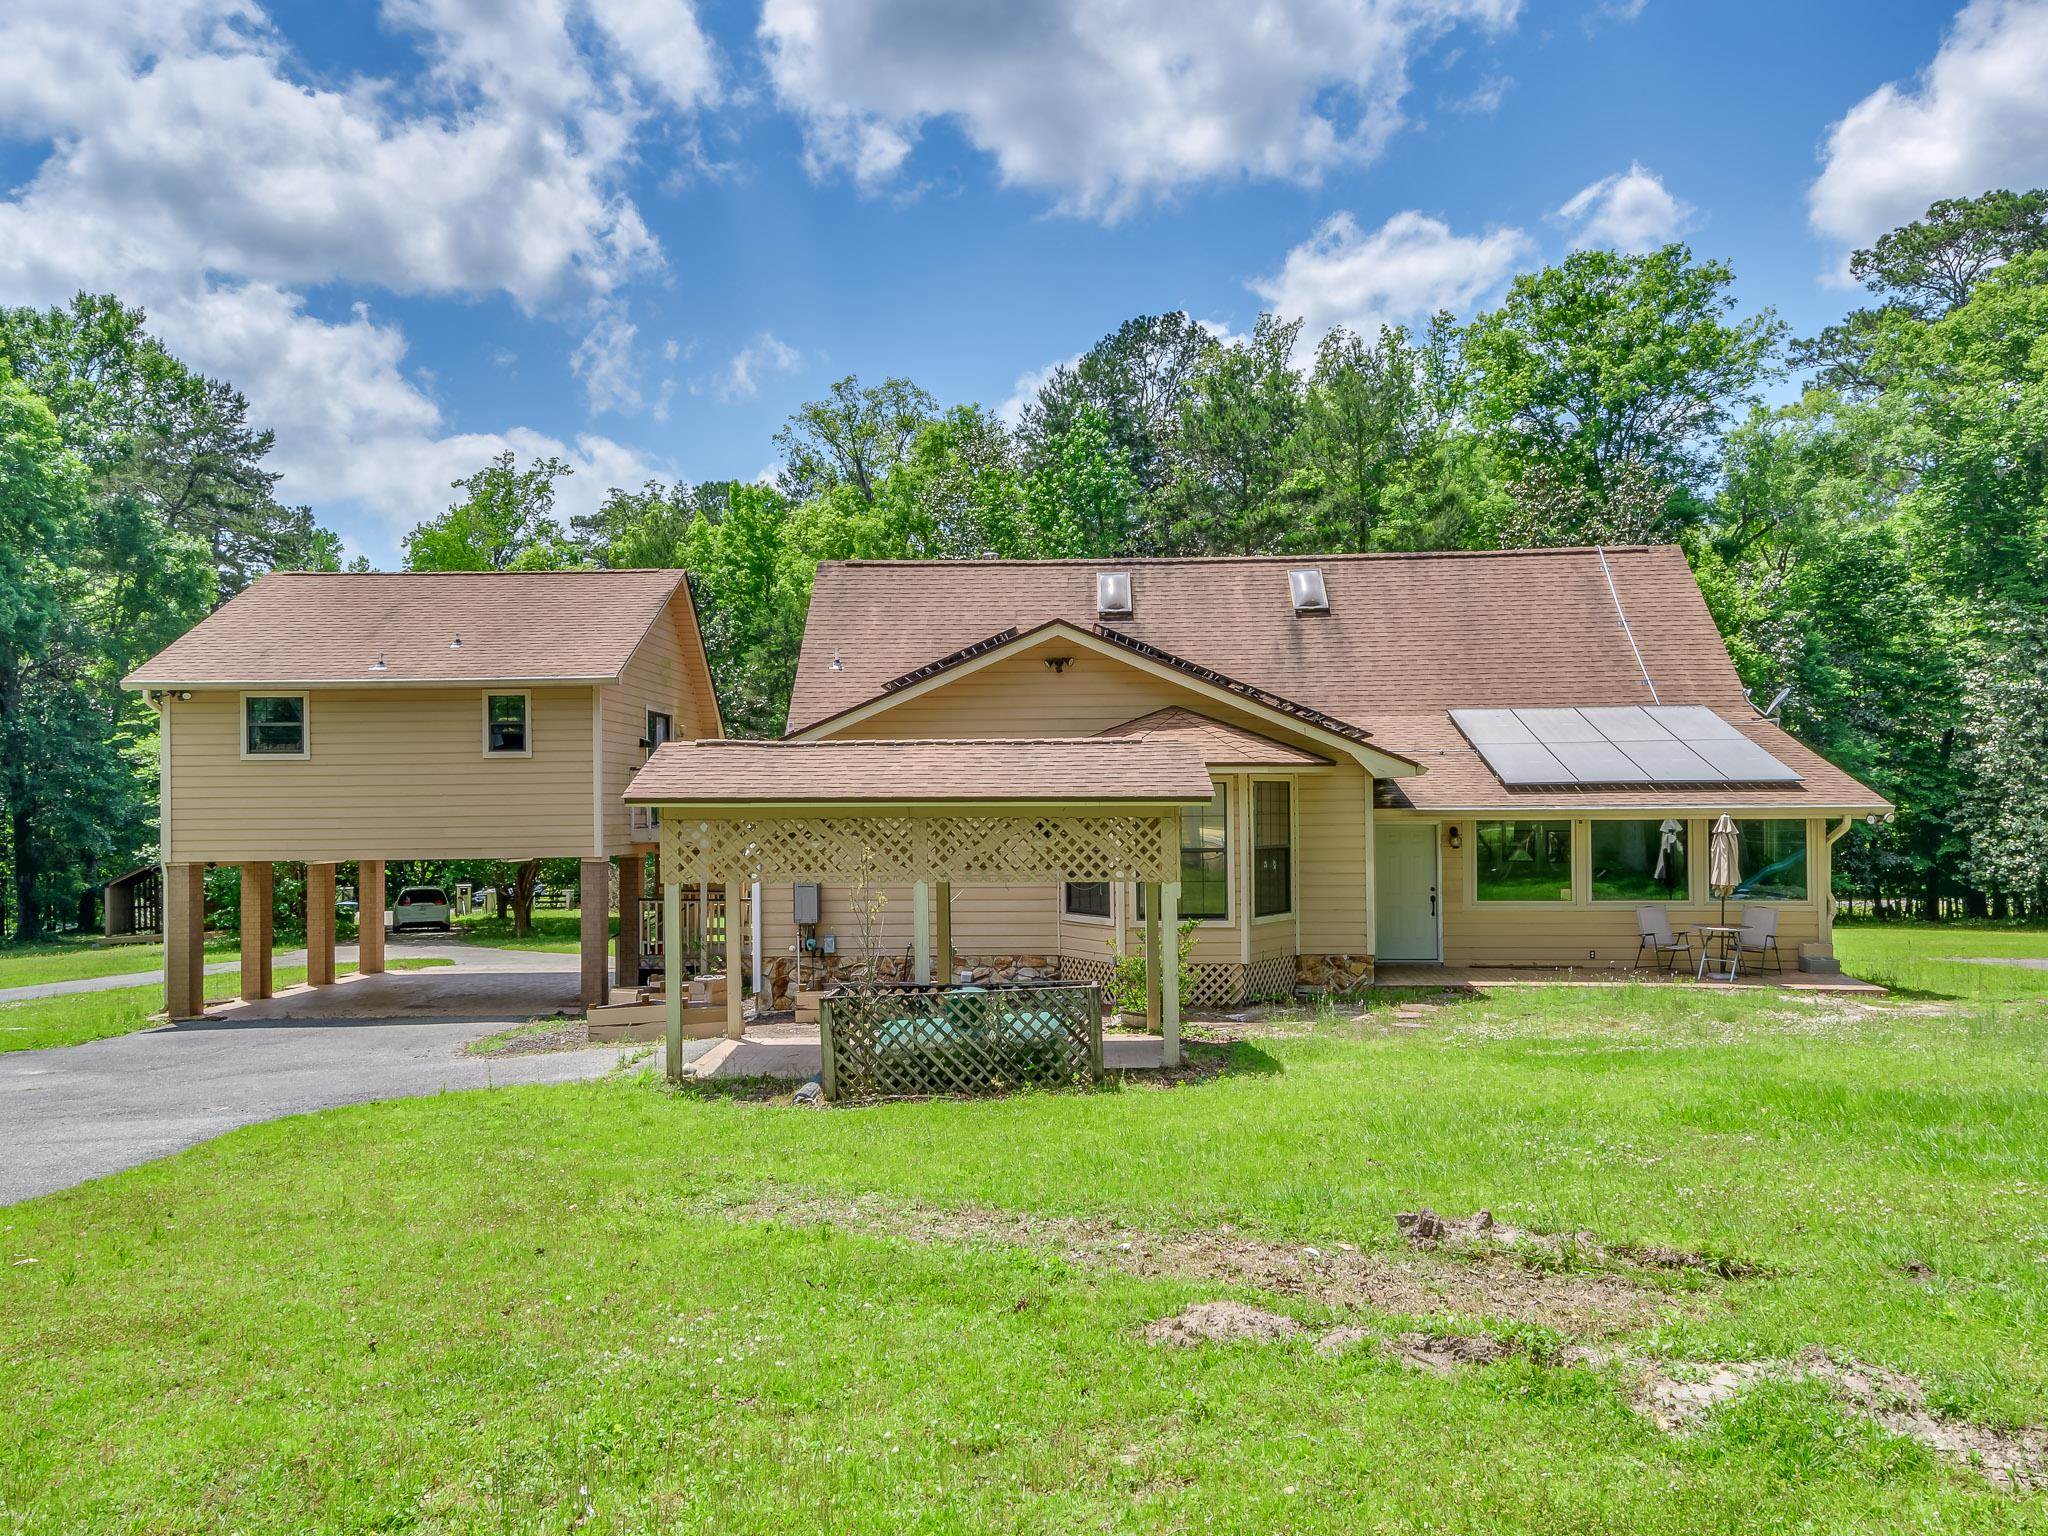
x: 1622, y: 614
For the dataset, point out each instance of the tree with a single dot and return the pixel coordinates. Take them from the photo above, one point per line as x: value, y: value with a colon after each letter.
x: 504, y: 522
x: 852, y: 438
x: 1134, y: 381
x: 1230, y: 453
x: 1607, y: 360
x: 2004, y: 801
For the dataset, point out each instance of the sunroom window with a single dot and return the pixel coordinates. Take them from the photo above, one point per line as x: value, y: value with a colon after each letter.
x: 1773, y: 861
x: 1640, y: 860
x: 1523, y: 860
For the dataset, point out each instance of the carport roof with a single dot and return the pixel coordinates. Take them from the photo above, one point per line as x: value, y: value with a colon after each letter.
x: 312, y: 627
x: 1039, y: 771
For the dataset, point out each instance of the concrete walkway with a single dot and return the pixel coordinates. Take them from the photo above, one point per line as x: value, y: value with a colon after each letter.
x: 81, y: 1111
x: 2029, y: 964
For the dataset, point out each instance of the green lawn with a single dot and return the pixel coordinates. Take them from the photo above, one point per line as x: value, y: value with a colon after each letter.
x: 81, y: 1016
x: 1918, y: 959
x: 567, y: 1309
x: 31, y: 965
x: 556, y: 930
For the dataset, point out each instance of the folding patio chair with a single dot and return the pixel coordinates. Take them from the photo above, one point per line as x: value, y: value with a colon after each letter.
x: 1759, y: 935
x: 1653, y: 929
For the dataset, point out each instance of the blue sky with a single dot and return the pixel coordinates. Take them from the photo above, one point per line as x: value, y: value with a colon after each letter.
x: 639, y: 232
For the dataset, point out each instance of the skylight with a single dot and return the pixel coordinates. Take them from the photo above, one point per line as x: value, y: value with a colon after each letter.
x: 1113, y: 594
x: 1306, y: 588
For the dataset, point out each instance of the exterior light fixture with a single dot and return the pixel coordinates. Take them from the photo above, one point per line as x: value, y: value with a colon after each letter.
x: 1059, y: 663
x: 1453, y: 837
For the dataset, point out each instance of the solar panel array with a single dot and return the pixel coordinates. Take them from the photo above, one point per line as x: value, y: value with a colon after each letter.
x: 1617, y: 747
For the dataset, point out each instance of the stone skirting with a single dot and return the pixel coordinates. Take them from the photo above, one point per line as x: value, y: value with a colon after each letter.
x: 1333, y: 973
x: 784, y: 975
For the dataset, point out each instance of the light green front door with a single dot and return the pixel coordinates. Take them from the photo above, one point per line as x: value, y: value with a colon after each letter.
x: 1405, y: 886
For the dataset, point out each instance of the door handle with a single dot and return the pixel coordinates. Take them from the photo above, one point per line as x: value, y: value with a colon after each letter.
x: 1432, y: 901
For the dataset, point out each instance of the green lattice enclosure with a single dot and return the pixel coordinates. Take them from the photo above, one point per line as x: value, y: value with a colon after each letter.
x: 896, y: 1042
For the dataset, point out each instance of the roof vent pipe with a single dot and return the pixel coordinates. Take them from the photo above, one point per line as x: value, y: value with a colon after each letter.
x: 1112, y: 594
x: 456, y: 643
x: 1307, y: 589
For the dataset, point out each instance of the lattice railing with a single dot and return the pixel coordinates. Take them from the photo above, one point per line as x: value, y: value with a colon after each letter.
x: 898, y: 1042
x: 966, y: 849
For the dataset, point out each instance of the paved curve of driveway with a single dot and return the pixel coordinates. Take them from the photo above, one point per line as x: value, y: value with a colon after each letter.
x: 78, y: 1112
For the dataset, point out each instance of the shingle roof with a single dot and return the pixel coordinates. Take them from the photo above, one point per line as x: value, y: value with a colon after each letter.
x: 307, y: 627
x: 1038, y: 771
x: 1221, y: 745
x: 1407, y: 638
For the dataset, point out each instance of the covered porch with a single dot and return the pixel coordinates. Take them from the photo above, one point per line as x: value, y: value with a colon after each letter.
x: 867, y: 814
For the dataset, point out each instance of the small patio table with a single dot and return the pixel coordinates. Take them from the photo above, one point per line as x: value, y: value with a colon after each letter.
x: 1730, y: 962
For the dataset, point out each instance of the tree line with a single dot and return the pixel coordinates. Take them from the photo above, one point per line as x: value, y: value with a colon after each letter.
x: 1866, y: 509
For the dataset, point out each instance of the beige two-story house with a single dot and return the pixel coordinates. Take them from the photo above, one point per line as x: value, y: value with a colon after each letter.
x: 329, y: 718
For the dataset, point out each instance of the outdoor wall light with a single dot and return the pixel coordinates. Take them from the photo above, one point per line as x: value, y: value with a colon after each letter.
x: 1453, y: 837
x: 1059, y: 663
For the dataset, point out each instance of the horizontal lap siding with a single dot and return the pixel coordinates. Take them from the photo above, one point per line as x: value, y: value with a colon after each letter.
x: 987, y: 919
x: 394, y: 773
x: 660, y: 677
x: 1330, y: 847
x: 1478, y: 933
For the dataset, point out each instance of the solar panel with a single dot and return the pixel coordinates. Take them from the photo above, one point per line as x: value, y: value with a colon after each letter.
x: 1599, y: 745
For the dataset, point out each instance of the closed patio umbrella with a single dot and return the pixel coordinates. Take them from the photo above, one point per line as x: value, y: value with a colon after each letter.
x: 1724, y: 861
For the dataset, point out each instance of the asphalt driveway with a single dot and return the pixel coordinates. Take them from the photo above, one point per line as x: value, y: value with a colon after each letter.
x: 81, y: 1111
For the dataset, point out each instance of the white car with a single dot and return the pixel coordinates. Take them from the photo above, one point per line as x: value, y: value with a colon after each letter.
x: 422, y: 906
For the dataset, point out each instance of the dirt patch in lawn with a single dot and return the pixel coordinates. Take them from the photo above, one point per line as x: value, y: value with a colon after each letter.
x: 1220, y: 1322
x: 1480, y: 1235
x: 1340, y: 1275
x: 536, y: 1037
x: 1679, y: 1396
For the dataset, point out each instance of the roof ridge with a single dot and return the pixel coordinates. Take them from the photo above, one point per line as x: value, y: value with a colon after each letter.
x: 1109, y: 562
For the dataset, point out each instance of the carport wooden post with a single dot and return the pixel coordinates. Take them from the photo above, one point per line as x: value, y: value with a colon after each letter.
x: 942, y: 943
x: 1152, y: 1020
x: 370, y: 918
x: 595, y: 899
x: 258, y: 888
x: 184, y: 940
x: 672, y: 974
x: 735, y: 968
x: 921, y: 931
x: 320, y: 925
x: 632, y: 870
x: 1169, y: 967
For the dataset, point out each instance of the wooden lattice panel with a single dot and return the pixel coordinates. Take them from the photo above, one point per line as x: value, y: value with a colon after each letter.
x: 965, y: 849
x: 908, y: 1042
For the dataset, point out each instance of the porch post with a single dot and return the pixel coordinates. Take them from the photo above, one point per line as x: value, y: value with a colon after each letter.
x: 921, y: 931
x: 1152, y: 1021
x: 672, y: 974
x: 632, y: 872
x: 704, y: 927
x: 257, y: 887
x: 1168, y: 907
x: 735, y: 971
x: 595, y: 901
x: 942, y: 944
x: 184, y: 919
x: 320, y: 925
x: 370, y: 918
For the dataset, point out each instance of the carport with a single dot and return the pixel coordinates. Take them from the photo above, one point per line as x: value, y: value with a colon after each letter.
x: 930, y: 814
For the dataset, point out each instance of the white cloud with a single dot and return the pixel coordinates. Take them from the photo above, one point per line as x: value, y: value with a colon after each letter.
x: 1485, y: 98
x: 1976, y: 119
x: 603, y: 360
x: 189, y: 167
x: 763, y: 355
x: 1408, y: 268
x: 1630, y: 210
x: 1621, y: 11
x: 1025, y: 390
x: 1105, y: 106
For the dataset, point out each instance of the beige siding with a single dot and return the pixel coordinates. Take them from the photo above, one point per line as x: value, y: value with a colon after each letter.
x: 393, y: 773
x: 1601, y: 934
x: 664, y: 675
x: 1330, y: 850
x: 987, y: 919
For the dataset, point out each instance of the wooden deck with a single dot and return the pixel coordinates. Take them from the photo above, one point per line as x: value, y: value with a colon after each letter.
x: 1485, y: 977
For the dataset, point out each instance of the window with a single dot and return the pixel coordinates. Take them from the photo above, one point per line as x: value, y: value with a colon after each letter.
x: 1088, y: 898
x: 1523, y: 861
x: 274, y: 725
x: 1272, y: 848
x: 660, y: 728
x: 1773, y: 861
x: 505, y: 725
x: 1204, y: 860
x: 1641, y: 860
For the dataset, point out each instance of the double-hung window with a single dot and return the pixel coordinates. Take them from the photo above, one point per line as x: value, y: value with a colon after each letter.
x: 508, y: 727
x: 1087, y: 898
x: 274, y: 725
x: 1272, y: 848
x: 1204, y: 860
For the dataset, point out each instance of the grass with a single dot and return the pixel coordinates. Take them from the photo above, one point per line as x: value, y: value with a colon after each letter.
x: 75, y: 959
x: 549, y: 1309
x: 556, y: 930
x: 81, y: 1016
x: 1918, y: 959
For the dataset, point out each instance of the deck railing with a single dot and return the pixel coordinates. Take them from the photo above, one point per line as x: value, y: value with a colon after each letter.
x: 916, y: 1039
